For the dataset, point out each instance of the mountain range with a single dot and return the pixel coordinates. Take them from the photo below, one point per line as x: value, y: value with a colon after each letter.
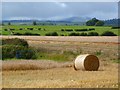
x: 69, y: 19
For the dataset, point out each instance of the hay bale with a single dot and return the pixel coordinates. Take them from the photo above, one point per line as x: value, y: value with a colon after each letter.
x: 86, y: 62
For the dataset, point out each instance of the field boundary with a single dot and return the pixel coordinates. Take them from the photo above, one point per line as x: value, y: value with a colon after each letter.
x: 93, y: 39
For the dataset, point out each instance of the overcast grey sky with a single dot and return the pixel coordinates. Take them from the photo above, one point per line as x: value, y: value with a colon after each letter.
x: 58, y: 10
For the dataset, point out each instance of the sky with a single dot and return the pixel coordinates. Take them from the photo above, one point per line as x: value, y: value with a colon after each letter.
x: 58, y: 10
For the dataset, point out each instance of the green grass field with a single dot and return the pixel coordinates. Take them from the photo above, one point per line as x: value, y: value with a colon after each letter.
x: 49, y: 28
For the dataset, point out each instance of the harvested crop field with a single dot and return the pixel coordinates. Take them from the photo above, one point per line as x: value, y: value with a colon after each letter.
x: 62, y: 77
x: 105, y: 39
x: 53, y: 74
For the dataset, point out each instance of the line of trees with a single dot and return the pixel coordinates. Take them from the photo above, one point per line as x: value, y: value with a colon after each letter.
x: 92, y: 22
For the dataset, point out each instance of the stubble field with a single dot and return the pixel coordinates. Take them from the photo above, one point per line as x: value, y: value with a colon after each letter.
x: 52, y: 74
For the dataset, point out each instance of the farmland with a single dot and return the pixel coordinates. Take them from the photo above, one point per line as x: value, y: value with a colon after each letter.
x: 67, y: 48
x: 59, y: 44
x: 47, y: 72
x: 62, y: 30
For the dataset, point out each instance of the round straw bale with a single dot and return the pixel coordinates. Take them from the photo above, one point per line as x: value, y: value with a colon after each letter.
x: 86, y: 62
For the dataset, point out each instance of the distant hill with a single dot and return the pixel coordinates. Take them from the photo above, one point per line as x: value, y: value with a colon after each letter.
x: 77, y: 19
x: 64, y: 20
x: 112, y: 22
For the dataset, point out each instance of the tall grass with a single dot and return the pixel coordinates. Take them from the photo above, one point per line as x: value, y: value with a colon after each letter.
x: 57, y: 55
x: 33, y: 65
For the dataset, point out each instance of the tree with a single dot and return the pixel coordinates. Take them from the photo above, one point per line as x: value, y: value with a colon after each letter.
x: 3, y: 24
x: 99, y: 23
x: 9, y: 23
x: 90, y: 23
x: 94, y: 22
x: 34, y: 23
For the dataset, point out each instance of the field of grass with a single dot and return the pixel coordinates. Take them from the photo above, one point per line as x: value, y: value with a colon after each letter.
x: 49, y: 28
x: 64, y: 49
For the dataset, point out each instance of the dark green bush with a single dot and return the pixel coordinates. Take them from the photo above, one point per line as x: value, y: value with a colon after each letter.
x: 5, y: 29
x: 48, y: 34
x: 17, y: 34
x: 81, y: 29
x: 51, y: 34
x: 31, y: 34
x: 20, y: 28
x: 115, y: 28
x: 15, y: 41
x: 39, y: 28
x: 31, y: 28
x: 77, y: 29
x: 17, y: 51
x: 74, y: 34
x: 93, y: 34
x: 91, y: 29
x: 12, y: 29
x: 61, y: 34
x: 28, y: 34
x: 68, y: 30
x: 108, y: 33
x: 83, y: 34
x: 62, y: 30
x: 17, y: 48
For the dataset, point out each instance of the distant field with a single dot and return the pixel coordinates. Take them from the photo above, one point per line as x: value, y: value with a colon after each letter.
x: 43, y: 29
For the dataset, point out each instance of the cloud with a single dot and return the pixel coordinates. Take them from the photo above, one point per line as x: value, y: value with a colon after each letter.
x: 57, y: 10
x: 60, y: 0
x: 61, y: 4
